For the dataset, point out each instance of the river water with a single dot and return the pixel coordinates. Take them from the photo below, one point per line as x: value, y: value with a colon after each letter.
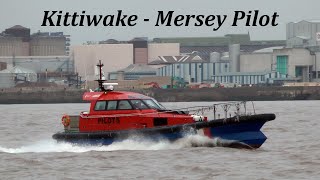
x: 292, y: 150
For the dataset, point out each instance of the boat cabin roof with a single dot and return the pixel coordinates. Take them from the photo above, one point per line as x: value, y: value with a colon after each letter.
x: 113, y: 95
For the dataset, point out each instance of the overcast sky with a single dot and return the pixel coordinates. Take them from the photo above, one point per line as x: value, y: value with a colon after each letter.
x: 30, y: 14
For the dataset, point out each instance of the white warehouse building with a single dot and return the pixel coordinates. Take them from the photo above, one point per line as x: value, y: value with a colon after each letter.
x: 248, y: 78
x: 265, y: 66
x: 299, y: 64
x: 194, y: 72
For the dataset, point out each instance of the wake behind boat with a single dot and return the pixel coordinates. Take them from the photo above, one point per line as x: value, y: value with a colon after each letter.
x: 117, y: 115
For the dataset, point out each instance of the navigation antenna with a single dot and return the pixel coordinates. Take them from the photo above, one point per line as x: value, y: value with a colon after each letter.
x: 100, y: 80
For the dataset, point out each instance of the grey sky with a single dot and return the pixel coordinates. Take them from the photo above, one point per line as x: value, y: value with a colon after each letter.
x: 30, y: 14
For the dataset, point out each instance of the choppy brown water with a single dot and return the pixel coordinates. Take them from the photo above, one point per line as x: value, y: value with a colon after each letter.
x: 28, y: 152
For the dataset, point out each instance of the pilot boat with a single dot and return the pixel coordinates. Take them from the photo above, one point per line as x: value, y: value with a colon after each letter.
x: 118, y: 115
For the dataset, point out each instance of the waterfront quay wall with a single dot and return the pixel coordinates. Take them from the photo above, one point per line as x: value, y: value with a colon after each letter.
x: 65, y: 95
x: 40, y: 95
x: 238, y: 94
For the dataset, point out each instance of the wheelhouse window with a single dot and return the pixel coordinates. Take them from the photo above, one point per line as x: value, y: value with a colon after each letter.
x: 100, y: 106
x: 112, y: 105
x: 153, y: 104
x: 124, y: 104
x: 138, y: 104
x: 160, y: 105
x: 127, y: 105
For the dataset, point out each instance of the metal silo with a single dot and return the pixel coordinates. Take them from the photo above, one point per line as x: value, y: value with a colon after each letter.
x: 234, y: 51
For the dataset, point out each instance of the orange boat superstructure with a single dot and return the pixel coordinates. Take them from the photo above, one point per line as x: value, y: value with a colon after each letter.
x: 118, y: 110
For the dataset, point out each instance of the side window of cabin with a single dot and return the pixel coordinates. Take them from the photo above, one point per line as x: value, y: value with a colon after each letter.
x: 124, y: 104
x: 112, y: 105
x: 138, y: 104
x: 100, y: 106
x: 151, y: 104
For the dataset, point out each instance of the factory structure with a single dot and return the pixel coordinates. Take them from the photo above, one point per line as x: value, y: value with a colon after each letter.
x: 295, y: 60
x: 231, y: 59
x: 220, y: 68
x: 39, y: 57
x: 193, y: 60
x: 18, y: 41
x: 126, y: 57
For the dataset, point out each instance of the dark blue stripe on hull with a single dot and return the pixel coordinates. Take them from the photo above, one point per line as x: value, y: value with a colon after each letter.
x: 248, y: 133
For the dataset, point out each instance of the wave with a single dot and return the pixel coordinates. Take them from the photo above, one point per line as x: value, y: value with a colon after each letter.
x: 135, y: 143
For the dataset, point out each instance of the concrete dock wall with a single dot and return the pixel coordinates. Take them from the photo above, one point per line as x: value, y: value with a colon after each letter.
x: 238, y: 94
x: 43, y: 95
x: 39, y: 96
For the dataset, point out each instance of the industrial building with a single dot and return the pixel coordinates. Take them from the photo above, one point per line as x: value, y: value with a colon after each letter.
x: 299, y: 60
x: 239, y: 78
x: 17, y: 41
x: 40, y: 64
x: 304, y: 33
x: 11, y: 76
x: 207, y: 45
x: 256, y: 62
x: 194, y: 72
x: 49, y: 44
x: 265, y: 66
x: 118, y: 56
x: 46, y: 68
x: 221, y: 60
x: 233, y: 58
x: 133, y: 72
x: 193, y: 69
x: 294, y: 62
x: 45, y: 55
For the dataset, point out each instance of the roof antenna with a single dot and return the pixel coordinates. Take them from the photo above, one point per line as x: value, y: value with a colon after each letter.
x: 100, y: 80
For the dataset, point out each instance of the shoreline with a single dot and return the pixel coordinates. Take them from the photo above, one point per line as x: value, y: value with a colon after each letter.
x: 51, y: 95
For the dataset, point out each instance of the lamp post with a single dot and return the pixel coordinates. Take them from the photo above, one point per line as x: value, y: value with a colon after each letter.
x: 171, y: 75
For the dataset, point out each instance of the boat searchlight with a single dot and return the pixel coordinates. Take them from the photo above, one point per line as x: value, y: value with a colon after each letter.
x: 109, y: 86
